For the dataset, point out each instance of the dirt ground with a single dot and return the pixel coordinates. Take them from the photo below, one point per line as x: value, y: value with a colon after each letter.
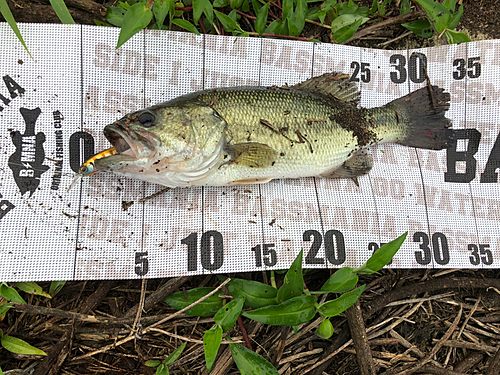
x: 410, y: 321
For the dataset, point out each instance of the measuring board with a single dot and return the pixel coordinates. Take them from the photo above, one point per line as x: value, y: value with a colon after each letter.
x: 54, y: 107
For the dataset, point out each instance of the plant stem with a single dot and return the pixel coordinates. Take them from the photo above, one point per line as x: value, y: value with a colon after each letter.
x: 245, y: 15
x: 273, y: 280
x: 318, y: 24
x: 281, y: 36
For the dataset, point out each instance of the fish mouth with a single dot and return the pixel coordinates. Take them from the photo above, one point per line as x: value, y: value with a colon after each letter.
x: 129, y: 142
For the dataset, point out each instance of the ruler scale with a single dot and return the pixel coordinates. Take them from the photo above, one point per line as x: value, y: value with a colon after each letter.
x: 53, y: 109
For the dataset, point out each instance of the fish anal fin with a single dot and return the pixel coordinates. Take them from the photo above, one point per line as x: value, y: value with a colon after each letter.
x: 337, y: 86
x: 252, y: 154
x: 358, y: 164
x: 251, y: 181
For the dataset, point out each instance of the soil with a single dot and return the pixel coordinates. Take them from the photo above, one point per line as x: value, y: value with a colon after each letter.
x: 440, y: 321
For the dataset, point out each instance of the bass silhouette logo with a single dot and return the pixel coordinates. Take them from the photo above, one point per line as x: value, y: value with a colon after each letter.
x: 26, y: 162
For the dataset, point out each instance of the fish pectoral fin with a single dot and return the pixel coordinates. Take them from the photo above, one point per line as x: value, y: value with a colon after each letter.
x: 358, y: 164
x: 252, y: 154
x: 251, y: 181
x: 336, y: 86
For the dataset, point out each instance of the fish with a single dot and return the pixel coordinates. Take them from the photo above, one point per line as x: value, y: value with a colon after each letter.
x: 88, y: 167
x: 252, y: 135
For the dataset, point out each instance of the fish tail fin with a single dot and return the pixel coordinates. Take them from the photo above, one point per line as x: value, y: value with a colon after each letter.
x: 423, y: 113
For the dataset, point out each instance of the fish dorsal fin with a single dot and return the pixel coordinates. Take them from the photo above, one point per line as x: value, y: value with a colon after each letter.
x: 252, y: 154
x: 337, y: 86
x: 358, y: 164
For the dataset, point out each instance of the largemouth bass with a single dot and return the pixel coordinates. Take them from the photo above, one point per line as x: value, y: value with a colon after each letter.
x: 251, y: 135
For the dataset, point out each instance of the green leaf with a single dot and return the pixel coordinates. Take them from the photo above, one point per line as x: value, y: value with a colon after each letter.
x: 1, y: 372
x: 153, y: 363
x: 256, y: 294
x: 312, y: 13
x: 345, y: 20
x: 322, y: 15
x: 211, y: 343
x: 292, y: 312
x: 198, y: 8
x: 293, y: 284
x: 438, y: 14
x: 381, y: 8
x: 422, y: 28
x: 328, y: 4
x: 405, y: 7
x: 235, y: 4
x: 456, y: 37
x: 287, y: 9
x: 347, y: 8
x: 228, y: 23
x: 32, y: 288
x: 4, y: 308
x: 244, y: 35
x: 7, y: 14
x: 455, y: 18
x: 15, y: 345
x: 256, y: 6
x: 325, y: 329
x: 363, y: 11
x: 251, y: 363
x: 245, y: 7
x: 115, y: 15
x: 179, y: 4
x: 10, y: 294
x: 174, y: 355
x: 136, y: 19
x: 162, y: 370
x: 207, y: 307
x: 382, y: 256
x: 102, y: 23
x: 55, y: 287
x: 339, y: 305
x: 260, y: 22
x: 186, y: 25
x: 450, y: 4
x: 124, y: 5
x: 162, y: 8
x: 274, y: 27
x: 341, y: 281
x: 62, y: 11
x: 234, y: 15
x: 298, y: 19
x: 345, y: 33
x: 228, y: 314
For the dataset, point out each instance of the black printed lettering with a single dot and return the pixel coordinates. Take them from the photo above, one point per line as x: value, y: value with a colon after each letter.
x: 77, y: 141
x: 490, y: 170
x: 453, y: 156
x: 265, y: 253
x: 211, y: 250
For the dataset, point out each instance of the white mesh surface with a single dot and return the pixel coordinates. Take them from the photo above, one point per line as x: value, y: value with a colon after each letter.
x: 52, y: 234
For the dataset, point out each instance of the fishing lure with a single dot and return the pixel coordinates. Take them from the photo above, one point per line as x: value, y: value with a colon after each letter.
x: 88, y: 168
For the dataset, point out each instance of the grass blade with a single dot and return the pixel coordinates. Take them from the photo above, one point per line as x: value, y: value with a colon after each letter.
x: 7, y: 14
x: 62, y: 12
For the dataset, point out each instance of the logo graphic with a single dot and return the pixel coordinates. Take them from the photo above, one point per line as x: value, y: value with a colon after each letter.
x: 26, y: 162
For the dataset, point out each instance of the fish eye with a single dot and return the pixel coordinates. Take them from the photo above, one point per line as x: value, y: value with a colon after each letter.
x: 147, y: 119
x: 86, y: 169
